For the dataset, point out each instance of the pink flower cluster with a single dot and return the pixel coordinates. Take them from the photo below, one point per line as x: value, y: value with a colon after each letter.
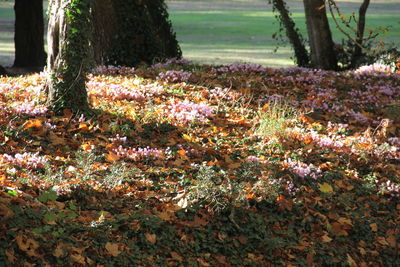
x: 120, y: 92
x: 137, y: 154
x: 243, y: 68
x: 303, y: 170
x: 223, y: 94
x: 186, y: 111
x: 171, y: 61
x: 26, y: 159
x: 173, y: 76
x: 332, y: 142
x: 118, y: 139
x: 374, y: 68
x: 113, y: 70
x: 390, y: 188
x: 29, y: 109
x: 256, y: 159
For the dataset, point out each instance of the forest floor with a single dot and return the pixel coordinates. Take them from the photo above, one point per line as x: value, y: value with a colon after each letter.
x: 224, y: 32
x: 193, y: 165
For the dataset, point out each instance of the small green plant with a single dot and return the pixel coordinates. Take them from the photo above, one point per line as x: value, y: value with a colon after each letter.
x: 274, y: 118
x: 118, y: 174
x: 214, y: 188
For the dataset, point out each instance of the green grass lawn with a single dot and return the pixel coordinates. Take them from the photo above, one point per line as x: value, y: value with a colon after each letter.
x: 221, y: 32
x: 230, y: 32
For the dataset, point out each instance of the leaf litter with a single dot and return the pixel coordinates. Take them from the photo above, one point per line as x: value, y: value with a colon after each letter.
x: 182, y: 164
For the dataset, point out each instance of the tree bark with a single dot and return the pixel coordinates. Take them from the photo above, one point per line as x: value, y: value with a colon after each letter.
x: 29, y: 34
x: 319, y: 35
x: 66, y: 62
x: 358, y: 46
x: 105, y: 28
x: 300, y: 52
x: 3, y: 71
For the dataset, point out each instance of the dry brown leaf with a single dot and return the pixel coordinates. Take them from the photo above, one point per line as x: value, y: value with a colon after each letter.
x: 326, y: 239
x: 113, y: 249
x: 176, y: 256
x: 381, y: 240
x: 152, y: 238
x: 27, y: 245
x: 350, y: 261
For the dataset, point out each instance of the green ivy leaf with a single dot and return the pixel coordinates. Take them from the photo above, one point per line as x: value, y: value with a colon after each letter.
x: 48, y: 196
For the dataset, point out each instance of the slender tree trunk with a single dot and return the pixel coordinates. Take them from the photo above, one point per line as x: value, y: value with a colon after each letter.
x: 29, y: 34
x: 319, y: 35
x: 357, y: 53
x: 68, y: 46
x: 294, y: 37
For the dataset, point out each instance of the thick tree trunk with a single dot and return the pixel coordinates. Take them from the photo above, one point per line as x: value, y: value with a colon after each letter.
x: 300, y: 52
x: 163, y: 29
x: 319, y: 35
x: 66, y: 62
x: 29, y: 34
x: 105, y: 29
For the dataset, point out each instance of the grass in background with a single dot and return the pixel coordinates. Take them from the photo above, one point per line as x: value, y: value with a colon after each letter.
x: 218, y: 32
x: 226, y: 32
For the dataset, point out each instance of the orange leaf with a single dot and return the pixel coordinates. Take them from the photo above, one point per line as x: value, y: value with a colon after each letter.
x: 112, y: 157
x: 181, y: 152
x: 374, y: 227
x: 33, y: 123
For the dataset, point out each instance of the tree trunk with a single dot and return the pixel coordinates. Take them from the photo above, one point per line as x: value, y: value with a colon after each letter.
x: 3, y: 71
x: 29, y: 34
x: 319, y: 35
x: 68, y: 46
x: 358, y: 46
x: 163, y: 29
x: 294, y: 36
x: 130, y: 32
x: 105, y: 28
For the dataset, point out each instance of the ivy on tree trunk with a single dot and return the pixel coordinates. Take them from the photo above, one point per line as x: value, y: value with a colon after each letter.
x: 67, y: 62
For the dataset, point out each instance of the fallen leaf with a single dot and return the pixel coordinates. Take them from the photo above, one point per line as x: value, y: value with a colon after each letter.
x: 381, y: 240
x: 152, y: 238
x: 112, y: 157
x: 345, y: 221
x: 326, y: 239
x: 176, y: 256
x: 10, y: 255
x: 350, y: 261
x: 374, y: 227
x: 325, y: 188
x: 5, y: 212
x: 33, y: 123
x: 113, y: 249
x: 391, y: 239
x: 27, y: 245
x: 59, y: 251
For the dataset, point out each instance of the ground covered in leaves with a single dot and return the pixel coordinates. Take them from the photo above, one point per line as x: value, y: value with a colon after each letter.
x: 187, y: 165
